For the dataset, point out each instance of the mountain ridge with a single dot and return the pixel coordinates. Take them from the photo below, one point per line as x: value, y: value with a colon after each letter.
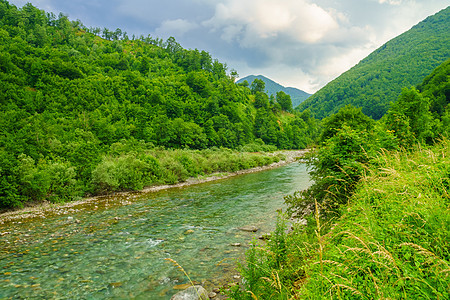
x: 272, y: 87
x: 378, y: 79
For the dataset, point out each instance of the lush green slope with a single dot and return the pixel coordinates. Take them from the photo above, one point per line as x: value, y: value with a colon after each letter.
x: 70, y: 99
x: 436, y: 87
x: 378, y: 79
x: 376, y: 220
x: 297, y: 96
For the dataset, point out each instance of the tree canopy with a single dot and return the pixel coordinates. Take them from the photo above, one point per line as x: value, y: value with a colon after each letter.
x: 69, y: 94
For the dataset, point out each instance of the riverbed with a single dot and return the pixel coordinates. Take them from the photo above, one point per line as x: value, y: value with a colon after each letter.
x: 117, y: 246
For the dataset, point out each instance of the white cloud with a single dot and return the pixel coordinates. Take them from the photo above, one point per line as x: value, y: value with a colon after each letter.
x: 254, y: 21
x: 391, y: 2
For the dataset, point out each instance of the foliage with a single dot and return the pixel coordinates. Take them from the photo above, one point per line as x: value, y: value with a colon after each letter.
x: 349, y: 141
x: 285, y: 101
x: 68, y: 97
x: 379, y: 78
x: 410, y: 118
x: 349, y: 116
x: 390, y: 240
x: 380, y: 200
x: 270, y: 270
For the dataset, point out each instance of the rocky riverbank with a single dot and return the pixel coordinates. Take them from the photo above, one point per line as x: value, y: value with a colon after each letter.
x: 41, y: 209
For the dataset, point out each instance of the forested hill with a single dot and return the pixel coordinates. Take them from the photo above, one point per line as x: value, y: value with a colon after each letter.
x: 378, y: 79
x: 72, y: 97
x: 272, y: 87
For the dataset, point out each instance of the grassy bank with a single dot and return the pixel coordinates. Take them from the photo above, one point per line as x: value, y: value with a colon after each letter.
x: 391, y: 240
x: 124, y: 169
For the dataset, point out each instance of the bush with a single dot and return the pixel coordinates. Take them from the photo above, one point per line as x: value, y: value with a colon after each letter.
x: 125, y: 172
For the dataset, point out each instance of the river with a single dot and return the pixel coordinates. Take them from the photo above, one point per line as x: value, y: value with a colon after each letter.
x: 117, y: 247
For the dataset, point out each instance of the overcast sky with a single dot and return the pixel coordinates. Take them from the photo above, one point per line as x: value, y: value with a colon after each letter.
x: 298, y: 43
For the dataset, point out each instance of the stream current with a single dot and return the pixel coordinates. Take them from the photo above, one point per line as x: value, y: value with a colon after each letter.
x: 117, y: 247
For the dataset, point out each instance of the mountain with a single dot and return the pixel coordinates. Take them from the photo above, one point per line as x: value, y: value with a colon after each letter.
x: 75, y: 105
x: 297, y: 96
x: 378, y: 79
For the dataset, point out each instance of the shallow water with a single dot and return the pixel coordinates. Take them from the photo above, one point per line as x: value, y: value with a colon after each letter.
x: 118, y: 247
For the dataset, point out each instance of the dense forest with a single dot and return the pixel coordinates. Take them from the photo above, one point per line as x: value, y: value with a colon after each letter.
x: 379, y: 78
x: 77, y: 103
x: 375, y: 222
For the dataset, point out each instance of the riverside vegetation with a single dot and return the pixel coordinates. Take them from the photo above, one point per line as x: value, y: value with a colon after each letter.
x: 85, y: 111
x: 83, y: 114
x: 379, y: 225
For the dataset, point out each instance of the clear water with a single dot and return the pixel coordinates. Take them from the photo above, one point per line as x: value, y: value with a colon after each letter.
x: 119, y: 247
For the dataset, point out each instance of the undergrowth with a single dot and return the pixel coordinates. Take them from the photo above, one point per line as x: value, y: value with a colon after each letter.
x: 391, y: 240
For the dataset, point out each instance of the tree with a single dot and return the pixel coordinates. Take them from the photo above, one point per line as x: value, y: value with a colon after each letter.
x: 347, y: 116
x: 285, y: 101
x: 258, y: 85
x: 261, y: 100
x: 413, y: 111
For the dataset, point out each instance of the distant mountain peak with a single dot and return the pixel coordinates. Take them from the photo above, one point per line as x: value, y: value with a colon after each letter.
x: 272, y: 87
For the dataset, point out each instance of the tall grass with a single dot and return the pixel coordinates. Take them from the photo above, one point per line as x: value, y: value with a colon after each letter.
x: 134, y: 170
x: 390, y: 242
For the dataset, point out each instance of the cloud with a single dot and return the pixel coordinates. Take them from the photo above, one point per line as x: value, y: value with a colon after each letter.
x: 314, y: 40
x: 302, y: 43
x: 176, y: 27
x: 391, y: 2
x: 252, y: 22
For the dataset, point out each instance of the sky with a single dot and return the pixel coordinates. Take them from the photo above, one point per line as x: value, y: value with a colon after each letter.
x: 297, y: 43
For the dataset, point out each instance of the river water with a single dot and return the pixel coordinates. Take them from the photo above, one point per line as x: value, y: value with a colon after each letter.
x: 117, y: 247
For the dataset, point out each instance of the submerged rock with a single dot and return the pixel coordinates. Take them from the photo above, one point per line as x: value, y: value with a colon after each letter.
x: 192, y: 293
x: 249, y: 228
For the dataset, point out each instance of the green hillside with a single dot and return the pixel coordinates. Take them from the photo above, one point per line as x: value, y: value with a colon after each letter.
x: 378, y: 79
x: 297, y: 96
x: 375, y: 222
x: 75, y: 108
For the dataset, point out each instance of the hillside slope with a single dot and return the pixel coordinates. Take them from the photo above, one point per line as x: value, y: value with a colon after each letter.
x: 378, y: 79
x: 272, y: 87
x: 87, y: 108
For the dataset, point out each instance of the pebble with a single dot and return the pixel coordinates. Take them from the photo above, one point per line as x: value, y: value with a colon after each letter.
x: 212, y: 295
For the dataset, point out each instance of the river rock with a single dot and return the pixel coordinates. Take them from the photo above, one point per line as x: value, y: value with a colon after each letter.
x: 236, y: 244
x: 249, y: 228
x: 192, y: 293
x: 182, y: 286
x: 212, y: 295
x: 265, y: 237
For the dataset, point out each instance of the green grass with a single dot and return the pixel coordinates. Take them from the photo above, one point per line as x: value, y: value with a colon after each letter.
x: 135, y: 170
x: 390, y: 242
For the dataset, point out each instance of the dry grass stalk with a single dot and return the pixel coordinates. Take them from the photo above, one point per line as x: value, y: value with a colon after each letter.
x: 176, y: 264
